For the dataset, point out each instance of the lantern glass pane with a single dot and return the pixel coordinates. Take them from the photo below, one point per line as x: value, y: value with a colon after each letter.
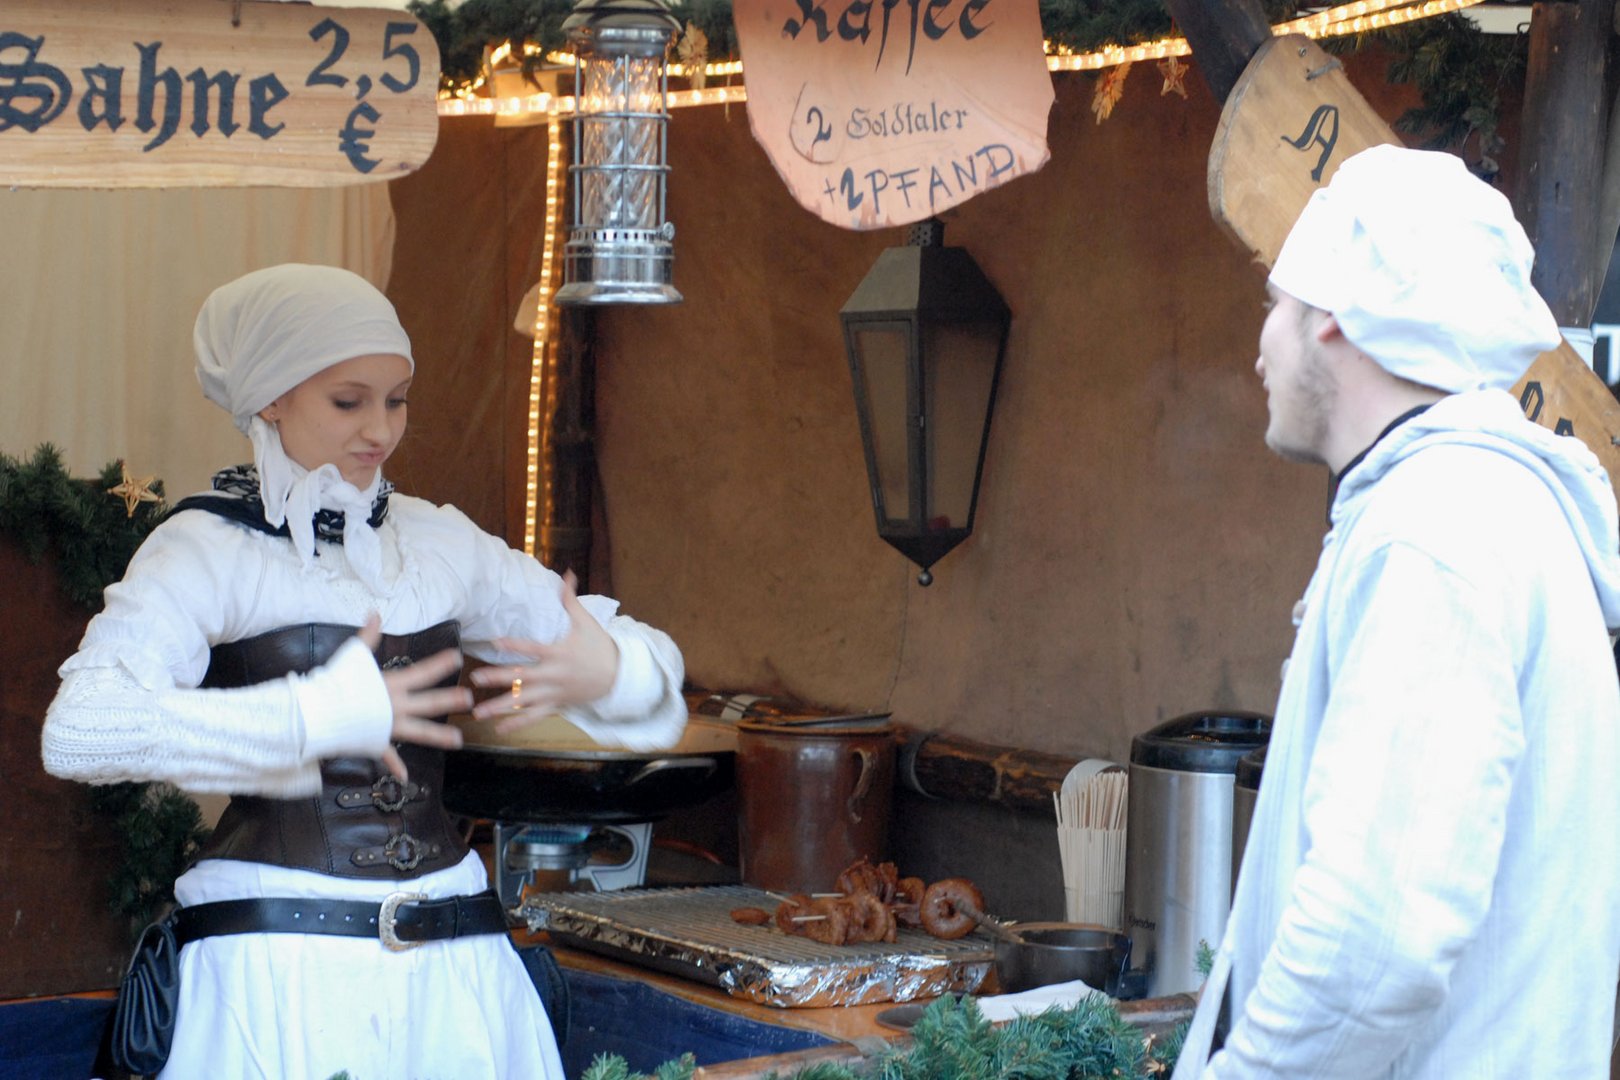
x: 959, y: 373
x: 621, y: 124
x: 883, y: 368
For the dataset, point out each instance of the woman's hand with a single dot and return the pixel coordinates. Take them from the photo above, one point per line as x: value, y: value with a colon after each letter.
x: 416, y: 699
x: 575, y: 670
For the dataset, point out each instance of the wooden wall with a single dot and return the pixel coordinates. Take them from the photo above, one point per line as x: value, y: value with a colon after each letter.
x: 60, y: 934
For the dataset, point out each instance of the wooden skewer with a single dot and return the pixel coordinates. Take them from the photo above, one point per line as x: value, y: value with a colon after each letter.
x: 991, y: 923
x: 784, y: 899
x: 807, y: 918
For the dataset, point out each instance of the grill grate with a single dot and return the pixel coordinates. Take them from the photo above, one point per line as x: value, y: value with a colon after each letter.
x: 689, y: 932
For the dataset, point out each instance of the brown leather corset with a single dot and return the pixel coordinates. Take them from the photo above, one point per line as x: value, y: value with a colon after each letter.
x: 364, y: 823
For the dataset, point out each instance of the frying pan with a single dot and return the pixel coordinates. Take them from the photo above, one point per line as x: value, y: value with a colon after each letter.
x: 553, y: 773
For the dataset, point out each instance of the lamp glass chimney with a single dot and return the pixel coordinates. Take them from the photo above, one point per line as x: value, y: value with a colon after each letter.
x: 620, y: 247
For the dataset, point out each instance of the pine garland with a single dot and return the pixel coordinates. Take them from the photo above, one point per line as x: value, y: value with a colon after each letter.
x: 93, y: 537
x: 464, y: 32
x: 1459, y: 70
x: 42, y: 509
x: 613, y: 1067
x: 1461, y: 74
x: 1086, y: 1041
x: 162, y: 831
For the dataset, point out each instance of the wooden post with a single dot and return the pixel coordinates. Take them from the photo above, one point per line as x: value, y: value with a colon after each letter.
x: 1223, y: 34
x: 1564, y: 131
x: 566, y: 537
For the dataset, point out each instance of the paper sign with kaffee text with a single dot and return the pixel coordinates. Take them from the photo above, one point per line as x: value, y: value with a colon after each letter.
x: 205, y: 93
x: 880, y: 113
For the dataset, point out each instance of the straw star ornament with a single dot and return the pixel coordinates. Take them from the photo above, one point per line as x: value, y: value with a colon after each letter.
x: 1110, y: 88
x: 134, y: 491
x: 1175, y: 74
x: 693, y: 51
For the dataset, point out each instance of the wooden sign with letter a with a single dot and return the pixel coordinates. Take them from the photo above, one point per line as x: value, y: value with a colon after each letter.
x: 1288, y: 123
x: 207, y: 93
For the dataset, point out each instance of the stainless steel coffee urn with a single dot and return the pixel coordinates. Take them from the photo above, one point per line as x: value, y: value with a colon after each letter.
x: 1178, y: 863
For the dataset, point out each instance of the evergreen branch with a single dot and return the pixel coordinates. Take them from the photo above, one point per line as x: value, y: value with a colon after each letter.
x: 1086, y: 1041
x: 1459, y: 70
x: 1461, y: 74
x: 43, y: 509
x: 162, y: 831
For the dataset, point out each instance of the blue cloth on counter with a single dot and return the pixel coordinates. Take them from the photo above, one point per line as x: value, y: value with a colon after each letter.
x: 57, y: 1038
x: 52, y: 1038
x: 648, y: 1027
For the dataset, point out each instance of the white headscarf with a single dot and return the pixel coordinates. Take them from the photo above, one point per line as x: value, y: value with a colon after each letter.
x: 263, y: 334
x: 1424, y: 267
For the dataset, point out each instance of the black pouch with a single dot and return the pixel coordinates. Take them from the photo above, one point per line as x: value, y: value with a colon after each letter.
x: 143, y: 1019
x: 549, y: 983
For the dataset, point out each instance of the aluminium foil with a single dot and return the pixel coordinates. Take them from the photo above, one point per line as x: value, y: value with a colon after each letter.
x: 688, y: 932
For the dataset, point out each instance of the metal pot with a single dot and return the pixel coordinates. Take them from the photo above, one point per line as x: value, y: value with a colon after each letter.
x: 1056, y: 952
x: 811, y: 800
x: 587, y: 787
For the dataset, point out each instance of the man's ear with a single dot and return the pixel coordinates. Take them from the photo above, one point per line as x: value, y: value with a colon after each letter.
x: 1328, y: 329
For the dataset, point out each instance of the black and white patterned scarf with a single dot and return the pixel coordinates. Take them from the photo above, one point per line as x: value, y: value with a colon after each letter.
x: 240, y: 501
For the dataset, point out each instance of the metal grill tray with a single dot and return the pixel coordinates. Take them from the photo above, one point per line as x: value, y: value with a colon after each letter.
x: 688, y: 932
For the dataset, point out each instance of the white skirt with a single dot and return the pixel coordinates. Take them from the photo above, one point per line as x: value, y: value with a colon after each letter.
x: 293, y: 1006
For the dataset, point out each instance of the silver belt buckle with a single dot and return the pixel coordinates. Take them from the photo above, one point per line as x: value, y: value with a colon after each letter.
x: 388, y: 917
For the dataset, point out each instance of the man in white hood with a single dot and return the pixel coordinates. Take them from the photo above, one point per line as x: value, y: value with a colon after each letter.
x: 1431, y: 886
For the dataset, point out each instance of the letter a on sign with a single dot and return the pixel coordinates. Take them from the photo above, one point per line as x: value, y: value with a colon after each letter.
x: 879, y: 113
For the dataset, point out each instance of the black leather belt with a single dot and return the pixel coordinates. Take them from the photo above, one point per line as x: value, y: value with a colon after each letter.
x: 402, y: 921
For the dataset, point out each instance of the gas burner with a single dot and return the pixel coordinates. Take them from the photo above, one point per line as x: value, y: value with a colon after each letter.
x: 525, y: 851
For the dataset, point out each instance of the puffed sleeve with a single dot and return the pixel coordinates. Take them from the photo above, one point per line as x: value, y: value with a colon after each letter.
x: 506, y: 593
x: 128, y: 707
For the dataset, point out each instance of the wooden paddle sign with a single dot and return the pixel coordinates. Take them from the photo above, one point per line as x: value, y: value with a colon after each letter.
x: 211, y: 93
x: 1290, y: 120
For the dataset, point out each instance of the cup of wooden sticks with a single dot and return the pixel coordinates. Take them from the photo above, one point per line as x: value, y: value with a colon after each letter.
x: 1091, y: 812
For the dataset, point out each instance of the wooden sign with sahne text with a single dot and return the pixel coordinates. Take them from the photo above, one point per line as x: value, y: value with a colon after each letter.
x: 169, y: 93
x: 1288, y: 123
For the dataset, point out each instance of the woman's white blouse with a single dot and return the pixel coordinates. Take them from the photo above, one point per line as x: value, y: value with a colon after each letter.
x: 129, y: 709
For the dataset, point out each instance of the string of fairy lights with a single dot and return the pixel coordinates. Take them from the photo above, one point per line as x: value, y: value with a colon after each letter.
x: 543, y: 378
x: 1358, y: 17
x: 1353, y: 18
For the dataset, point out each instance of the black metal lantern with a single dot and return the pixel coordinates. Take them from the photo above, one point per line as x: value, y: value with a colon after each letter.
x: 925, y: 332
x: 620, y: 248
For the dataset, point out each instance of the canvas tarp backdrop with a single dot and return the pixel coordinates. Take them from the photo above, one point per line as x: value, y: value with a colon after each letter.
x: 98, y: 293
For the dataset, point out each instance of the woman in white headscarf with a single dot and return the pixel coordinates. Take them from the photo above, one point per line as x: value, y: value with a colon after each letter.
x: 336, y: 919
